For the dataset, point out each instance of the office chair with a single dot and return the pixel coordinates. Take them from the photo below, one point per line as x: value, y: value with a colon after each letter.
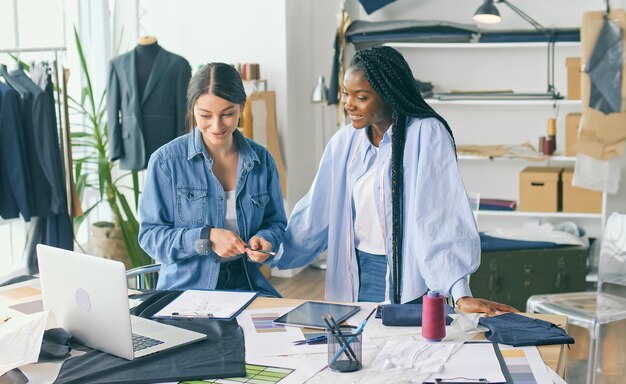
x: 592, y: 310
x: 144, y: 277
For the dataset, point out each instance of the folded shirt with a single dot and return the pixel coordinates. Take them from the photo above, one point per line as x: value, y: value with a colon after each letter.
x: 406, y: 315
x: 521, y: 331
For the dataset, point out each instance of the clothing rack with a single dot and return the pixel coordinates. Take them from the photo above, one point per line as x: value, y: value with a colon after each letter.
x: 21, y: 50
x: 64, y: 138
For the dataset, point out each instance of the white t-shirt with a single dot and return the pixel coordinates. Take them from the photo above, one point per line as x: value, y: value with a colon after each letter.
x: 230, y: 222
x: 368, y: 231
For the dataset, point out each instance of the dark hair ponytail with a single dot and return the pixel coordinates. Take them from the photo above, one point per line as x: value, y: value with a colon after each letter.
x: 218, y: 79
x: 391, y: 77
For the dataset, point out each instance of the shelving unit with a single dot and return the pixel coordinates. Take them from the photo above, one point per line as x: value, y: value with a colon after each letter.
x: 479, y: 45
x: 551, y: 159
x: 563, y: 102
x: 560, y: 215
x: 520, y: 67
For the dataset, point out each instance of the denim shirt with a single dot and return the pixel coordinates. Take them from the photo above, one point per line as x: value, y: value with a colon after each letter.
x: 440, y: 247
x: 182, y: 195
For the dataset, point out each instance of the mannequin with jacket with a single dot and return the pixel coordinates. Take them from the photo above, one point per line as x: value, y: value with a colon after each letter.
x: 145, y: 101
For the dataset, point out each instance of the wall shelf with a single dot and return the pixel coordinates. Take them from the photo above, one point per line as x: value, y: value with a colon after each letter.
x: 481, y: 45
x: 560, y: 159
x: 563, y: 215
x: 560, y: 102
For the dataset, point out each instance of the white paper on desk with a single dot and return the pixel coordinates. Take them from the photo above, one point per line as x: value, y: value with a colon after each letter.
x: 220, y: 304
x: 264, y: 338
x: 521, y: 360
x: 20, y: 338
x: 555, y: 376
x: 473, y: 361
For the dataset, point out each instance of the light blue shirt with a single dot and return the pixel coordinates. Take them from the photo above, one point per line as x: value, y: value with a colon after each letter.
x: 441, y: 246
x: 182, y: 195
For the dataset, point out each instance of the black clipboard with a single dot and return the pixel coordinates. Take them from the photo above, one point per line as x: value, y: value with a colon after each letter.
x: 253, y: 296
x: 505, y: 370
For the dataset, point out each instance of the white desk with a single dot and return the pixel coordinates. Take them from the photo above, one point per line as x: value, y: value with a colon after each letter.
x: 554, y: 356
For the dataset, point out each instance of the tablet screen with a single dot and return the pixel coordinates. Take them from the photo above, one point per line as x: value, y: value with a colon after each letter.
x: 309, y: 314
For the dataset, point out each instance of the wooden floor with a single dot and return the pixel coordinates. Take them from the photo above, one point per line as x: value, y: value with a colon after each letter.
x: 308, y: 285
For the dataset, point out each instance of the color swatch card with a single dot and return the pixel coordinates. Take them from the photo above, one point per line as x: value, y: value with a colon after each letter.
x: 263, y: 337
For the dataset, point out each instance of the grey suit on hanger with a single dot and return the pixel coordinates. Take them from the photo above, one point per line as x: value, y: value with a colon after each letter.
x: 140, y: 125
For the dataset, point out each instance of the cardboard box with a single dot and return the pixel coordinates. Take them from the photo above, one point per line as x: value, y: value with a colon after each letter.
x: 540, y: 189
x: 572, y: 121
x: 573, y: 77
x: 579, y: 199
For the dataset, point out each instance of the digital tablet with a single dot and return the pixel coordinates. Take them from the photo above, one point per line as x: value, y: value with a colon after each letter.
x: 309, y: 314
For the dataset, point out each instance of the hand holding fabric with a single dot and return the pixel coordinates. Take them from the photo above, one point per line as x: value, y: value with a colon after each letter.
x: 476, y: 305
x: 226, y: 243
x: 257, y: 242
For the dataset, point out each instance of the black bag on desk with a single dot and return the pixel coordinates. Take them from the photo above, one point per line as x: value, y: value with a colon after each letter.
x: 522, y: 331
x: 220, y: 355
x: 406, y: 315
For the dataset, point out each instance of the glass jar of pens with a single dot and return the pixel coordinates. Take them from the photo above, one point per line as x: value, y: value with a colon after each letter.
x: 344, y: 346
x: 344, y: 349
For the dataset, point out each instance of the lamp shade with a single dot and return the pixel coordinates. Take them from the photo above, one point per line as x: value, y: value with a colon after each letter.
x: 487, y: 13
x: 320, y: 93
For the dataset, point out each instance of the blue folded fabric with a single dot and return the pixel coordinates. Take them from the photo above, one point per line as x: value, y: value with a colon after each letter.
x: 406, y: 315
x: 521, y: 331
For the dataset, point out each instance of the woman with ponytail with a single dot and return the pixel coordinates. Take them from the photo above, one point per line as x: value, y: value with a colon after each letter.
x: 388, y: 202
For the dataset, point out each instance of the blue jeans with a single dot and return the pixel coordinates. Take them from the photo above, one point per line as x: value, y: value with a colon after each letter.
x: 372, y: 276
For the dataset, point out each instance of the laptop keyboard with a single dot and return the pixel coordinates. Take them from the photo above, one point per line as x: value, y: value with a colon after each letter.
x: 142, y: 342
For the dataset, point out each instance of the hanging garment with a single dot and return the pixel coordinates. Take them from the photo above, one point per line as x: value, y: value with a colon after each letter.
x: 605, y: 69
x: 140, y: 121
x: 14, y: 178
x: 41, y: 144
x: 54, y: 230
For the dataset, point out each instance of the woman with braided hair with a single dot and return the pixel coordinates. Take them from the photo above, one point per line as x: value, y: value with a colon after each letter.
x: 388, y: 202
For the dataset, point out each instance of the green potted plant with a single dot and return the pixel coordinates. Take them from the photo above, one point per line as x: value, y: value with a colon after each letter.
x: 94, y: 170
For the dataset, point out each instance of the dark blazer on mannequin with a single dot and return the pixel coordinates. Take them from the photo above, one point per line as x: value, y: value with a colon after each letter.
x: 138, y: 125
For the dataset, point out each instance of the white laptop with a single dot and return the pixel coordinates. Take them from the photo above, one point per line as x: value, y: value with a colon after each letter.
x: 89, y: 298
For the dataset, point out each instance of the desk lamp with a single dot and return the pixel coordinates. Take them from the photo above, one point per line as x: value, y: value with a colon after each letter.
x: 488, y: 13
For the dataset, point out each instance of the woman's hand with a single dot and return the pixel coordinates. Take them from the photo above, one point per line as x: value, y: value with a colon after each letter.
x: 226, y: 243
x: 257, y: 242
x: 476, y: 305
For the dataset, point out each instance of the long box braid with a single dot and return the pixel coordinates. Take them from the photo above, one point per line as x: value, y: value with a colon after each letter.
x: 389, y: 74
